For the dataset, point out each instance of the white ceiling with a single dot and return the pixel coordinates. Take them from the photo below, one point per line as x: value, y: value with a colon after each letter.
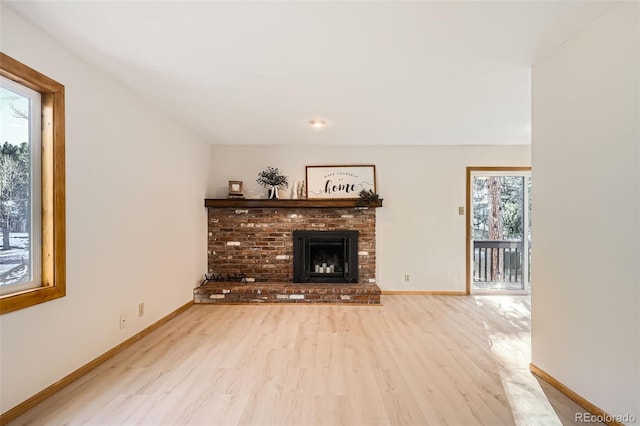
x: 379, y: 73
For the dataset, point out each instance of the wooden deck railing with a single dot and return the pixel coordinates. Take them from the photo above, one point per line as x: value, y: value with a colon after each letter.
x: 497, y: 261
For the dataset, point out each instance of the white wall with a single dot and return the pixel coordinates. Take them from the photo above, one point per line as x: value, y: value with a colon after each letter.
x: 136, y: 226
x: 586, y: 300
x: 419, y: 231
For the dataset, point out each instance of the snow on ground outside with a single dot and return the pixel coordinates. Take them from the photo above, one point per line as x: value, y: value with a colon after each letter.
x: 12, y: 258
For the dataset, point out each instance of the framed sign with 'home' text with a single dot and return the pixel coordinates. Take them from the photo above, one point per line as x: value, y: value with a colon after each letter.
x: 340, y: 181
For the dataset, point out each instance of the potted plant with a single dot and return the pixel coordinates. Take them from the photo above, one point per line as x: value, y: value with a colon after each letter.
x: 272, y: 179
x: 368, y: 198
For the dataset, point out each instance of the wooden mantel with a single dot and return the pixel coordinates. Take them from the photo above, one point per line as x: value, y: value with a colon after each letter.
x: 291, y: 204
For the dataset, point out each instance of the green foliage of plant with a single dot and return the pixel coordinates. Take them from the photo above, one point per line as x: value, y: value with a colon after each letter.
x: 367, y: 197
x: 272, y: 177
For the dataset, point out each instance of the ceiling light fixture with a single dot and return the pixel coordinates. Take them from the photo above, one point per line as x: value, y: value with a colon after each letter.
x: 317, y: 124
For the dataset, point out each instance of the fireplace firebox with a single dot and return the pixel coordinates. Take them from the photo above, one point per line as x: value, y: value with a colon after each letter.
x: 325, y: 256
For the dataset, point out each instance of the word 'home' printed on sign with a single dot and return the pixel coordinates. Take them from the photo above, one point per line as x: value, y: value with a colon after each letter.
x: 335, y: 183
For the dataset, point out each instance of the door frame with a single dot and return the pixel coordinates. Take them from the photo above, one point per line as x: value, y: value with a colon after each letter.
x: 470, y: 171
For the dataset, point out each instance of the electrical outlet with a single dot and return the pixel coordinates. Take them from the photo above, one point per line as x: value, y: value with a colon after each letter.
x: 141, y: 310
x: 123, y: 319
x: 407, y: 278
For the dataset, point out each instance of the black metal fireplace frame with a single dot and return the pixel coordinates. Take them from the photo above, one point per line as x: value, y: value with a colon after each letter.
x: 302, y: 251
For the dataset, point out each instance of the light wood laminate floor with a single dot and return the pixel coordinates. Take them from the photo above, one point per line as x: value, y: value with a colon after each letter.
x: 417, y: 360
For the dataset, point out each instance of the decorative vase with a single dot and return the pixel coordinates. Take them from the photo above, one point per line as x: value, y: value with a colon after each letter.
x: 302, y: 190
x: 273, y: 192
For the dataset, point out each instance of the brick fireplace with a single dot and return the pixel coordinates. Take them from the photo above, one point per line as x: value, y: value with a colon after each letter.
x: 254, y: 240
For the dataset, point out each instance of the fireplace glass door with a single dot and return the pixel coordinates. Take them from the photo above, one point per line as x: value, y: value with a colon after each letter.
x: 325, y: 256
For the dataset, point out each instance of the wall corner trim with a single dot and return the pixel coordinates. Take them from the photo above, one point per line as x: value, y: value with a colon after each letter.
x: 591, y: 408
x: 31, y: 402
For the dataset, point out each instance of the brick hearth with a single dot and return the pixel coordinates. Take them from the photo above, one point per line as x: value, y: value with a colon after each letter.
x: 258, y: 242
x: 221, y: 293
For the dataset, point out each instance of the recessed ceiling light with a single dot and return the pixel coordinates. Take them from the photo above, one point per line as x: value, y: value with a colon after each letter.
x: 317, y: 124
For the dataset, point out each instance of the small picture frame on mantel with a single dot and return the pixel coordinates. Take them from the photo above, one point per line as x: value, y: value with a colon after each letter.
x: 235, y: 189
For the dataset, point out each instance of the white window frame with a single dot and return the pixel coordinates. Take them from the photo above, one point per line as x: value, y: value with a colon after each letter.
x: 35, y: 183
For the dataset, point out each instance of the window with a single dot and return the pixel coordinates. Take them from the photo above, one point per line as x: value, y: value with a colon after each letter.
x: 20, y: 113
x: 32, y: 202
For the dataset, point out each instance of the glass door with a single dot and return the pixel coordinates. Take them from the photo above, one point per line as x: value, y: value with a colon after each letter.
x: 500, y: 230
